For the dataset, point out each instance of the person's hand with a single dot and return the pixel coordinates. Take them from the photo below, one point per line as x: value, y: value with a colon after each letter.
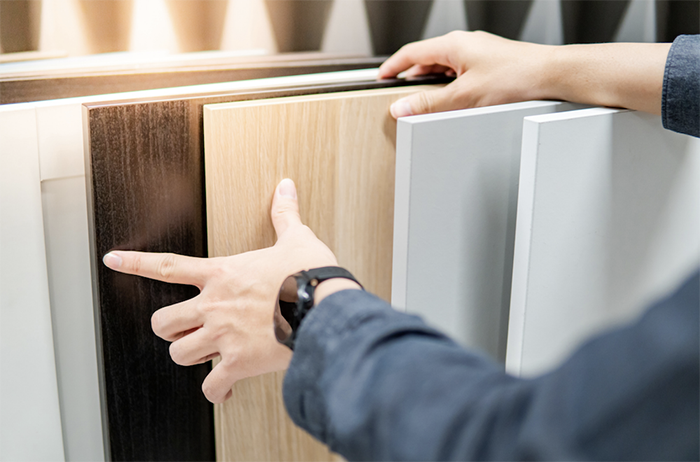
x: 493, y: 70
x: 489, y: 69
x: 232, y: 317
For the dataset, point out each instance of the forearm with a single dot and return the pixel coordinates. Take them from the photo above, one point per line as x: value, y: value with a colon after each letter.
x: 628, y: 75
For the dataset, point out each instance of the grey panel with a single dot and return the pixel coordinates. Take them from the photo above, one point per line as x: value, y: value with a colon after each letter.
x: 456, y: 194
x: 501, y: 17
x: 592, y: 21
x: 608, y: 221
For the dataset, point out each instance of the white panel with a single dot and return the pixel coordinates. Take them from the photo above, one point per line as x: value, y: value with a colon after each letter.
x: 608, y: 220
x: 543, y: 23
x: 61, y: 132
x: 30, y: 424
x: 639, y: 23
x: 347, y: 29
x: 68, y: 258
x: 454, y: 223
x: 445, y: 16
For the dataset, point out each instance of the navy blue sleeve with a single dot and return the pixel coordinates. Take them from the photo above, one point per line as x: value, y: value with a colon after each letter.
x: 680, y: 100
x: 376, y: 384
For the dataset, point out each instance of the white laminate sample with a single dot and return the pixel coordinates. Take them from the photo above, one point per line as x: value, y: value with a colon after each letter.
x: 30, y: 423
x: 454, y: 220
x: 68, y: 259
x: 608, y: 220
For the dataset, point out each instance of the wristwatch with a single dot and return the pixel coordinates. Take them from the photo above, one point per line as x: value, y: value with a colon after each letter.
x: 296, y: 298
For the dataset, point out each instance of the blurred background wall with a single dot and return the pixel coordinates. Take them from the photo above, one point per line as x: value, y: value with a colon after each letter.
x: 379, y: 27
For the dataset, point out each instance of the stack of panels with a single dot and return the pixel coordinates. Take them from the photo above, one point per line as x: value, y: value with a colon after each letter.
x: 147, y: 193
x: 43, y: 152
x: 524, y: 234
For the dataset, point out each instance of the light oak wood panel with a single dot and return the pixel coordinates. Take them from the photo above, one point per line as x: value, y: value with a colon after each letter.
x: 340, y: 151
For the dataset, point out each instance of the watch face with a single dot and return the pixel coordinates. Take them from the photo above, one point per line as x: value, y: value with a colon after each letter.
x: 284, y: 317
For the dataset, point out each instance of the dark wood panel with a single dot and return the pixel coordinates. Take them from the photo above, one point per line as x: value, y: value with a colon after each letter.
x: 146, y: 192
x: 18, y: 89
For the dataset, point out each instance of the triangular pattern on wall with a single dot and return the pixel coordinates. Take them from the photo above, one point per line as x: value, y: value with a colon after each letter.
x: 19, y: 25
x: 62, y: 28
x: 639, y: 23
x: 676, y: 17
x: 148, y: 31
x: 395, y: 23
x: 298, y: 24
x: 445, y: 16
x: 543, y: 23
x: 347, y: 29
x: 501, y: 17
x: 247, y: 26
x: 591, y: 21
x: 107, y: 24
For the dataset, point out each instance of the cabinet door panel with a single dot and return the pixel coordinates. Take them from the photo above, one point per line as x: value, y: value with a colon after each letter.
x: 608, y: 220
x: 29, y: 404
x: 454, y: 223
x: 339, y: 149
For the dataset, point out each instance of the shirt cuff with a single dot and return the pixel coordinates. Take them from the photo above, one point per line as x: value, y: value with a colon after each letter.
x: 680, y: 100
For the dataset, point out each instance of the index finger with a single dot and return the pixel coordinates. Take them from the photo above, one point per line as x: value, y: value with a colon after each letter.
x: 166, y: 267
x: 426, y: 52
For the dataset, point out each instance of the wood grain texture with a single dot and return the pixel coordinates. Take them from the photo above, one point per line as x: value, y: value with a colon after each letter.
x: 146, y: 188
x: 24, y: 88
x: 339, y: 149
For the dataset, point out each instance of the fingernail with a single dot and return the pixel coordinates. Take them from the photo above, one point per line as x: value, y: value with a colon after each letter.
x: 286, y: 188
x: 401, y: 108
x: 112, y: 260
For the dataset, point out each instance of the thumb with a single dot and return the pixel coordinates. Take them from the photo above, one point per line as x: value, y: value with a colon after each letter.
x: 425, y: 102
x: 285, y: 207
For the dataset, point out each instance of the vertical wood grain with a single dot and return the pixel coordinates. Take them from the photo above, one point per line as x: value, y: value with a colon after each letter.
x: 339, y: 149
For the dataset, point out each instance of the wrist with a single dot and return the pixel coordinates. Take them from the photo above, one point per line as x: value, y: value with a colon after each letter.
x: 553, y: 71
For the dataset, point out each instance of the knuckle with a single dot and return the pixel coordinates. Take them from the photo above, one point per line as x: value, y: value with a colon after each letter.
x: 166, y: 266
x: 284, y: 208
x: 425, y: 102
x: 135, y: 264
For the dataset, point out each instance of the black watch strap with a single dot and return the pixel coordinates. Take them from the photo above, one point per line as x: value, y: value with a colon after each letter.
x: 296, y: 298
